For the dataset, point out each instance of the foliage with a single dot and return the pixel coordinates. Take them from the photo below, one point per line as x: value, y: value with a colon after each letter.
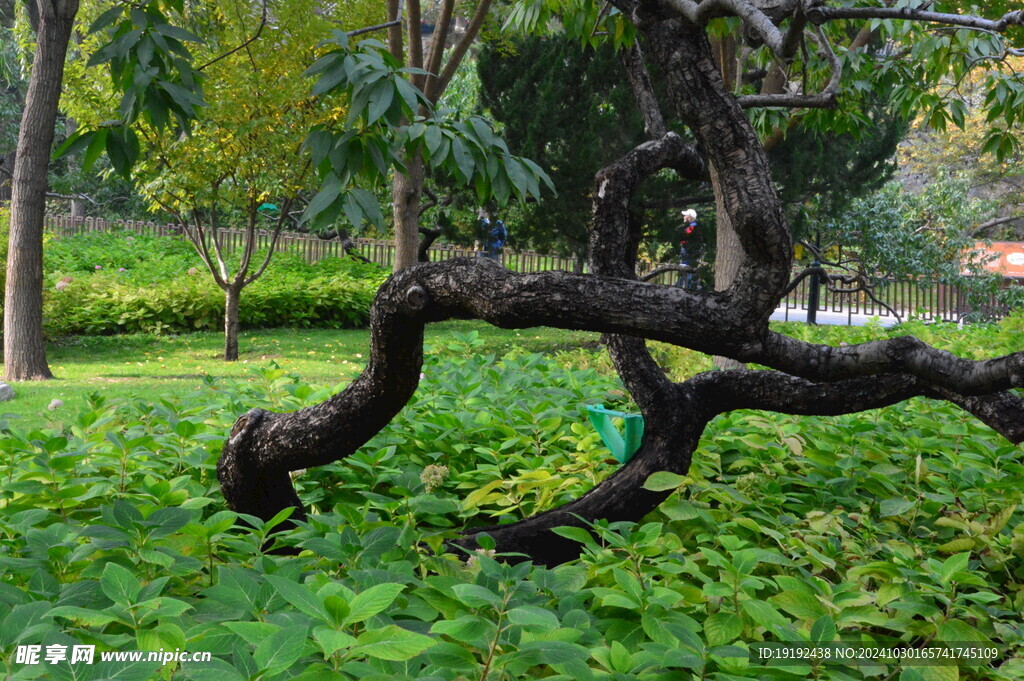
x: 965, y: 151
x: 152, y: 80
x: 903, y: 524
x: 131, y: 283
x: 102, y: 304
x: 138, y: 258
x: 931, y: 235
x: 5, y: 226
x: 384, y: 119
x: 571, y: 111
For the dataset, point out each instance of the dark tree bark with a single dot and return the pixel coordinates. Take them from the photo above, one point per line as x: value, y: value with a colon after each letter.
x: 428, y: 239
x: 803, y: 378
x: 24, y: 346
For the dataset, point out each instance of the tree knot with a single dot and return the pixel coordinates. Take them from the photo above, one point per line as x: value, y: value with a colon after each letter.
x: 246, y: 424
x: 416, y: 297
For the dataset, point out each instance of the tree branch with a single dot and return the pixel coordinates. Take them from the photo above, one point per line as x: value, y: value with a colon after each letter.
x: 273, y: 243
x: 819, y: 15
x: 459, y: 51
x: 370, y: 29
x: 643, y: 92
x: 255, y: 36
x: 904, y: 354
x: 826, y: 99
x: 773, y: 391
x: 415, y: 41
x: 437, y: 45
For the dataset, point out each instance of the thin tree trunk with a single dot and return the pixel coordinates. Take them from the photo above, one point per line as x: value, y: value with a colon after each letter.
x: 24, y: 346
x: 407, y: 191
x: 232, y: 296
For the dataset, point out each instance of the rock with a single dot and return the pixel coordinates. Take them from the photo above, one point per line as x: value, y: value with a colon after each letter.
x: 56, y: 404
x: 6, y: 392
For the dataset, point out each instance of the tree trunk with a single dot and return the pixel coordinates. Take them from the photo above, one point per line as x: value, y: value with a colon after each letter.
x: 232, y: 295
x: 728, y: 257
x: 406, y: 191
x: 24, y: 346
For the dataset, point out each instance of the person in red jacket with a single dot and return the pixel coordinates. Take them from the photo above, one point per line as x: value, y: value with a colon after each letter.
x: 689, y: 251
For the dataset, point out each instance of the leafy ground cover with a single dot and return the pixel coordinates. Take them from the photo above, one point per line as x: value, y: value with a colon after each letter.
x: 903, y: 523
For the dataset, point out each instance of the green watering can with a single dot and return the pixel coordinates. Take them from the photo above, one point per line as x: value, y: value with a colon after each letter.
x: 621, y: 445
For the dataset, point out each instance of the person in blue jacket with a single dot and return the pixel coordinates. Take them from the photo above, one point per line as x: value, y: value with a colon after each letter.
x: 496, y: 238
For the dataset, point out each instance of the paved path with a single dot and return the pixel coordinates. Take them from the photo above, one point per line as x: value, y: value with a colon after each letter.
x: 832, y: 318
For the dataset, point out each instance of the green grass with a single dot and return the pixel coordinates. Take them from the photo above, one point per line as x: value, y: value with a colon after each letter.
x: 145, y: 366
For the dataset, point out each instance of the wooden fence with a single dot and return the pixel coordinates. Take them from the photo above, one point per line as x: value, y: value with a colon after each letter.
x: 931, y: 300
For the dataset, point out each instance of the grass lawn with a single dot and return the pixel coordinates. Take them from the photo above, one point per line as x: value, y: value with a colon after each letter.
x: 146, y: 366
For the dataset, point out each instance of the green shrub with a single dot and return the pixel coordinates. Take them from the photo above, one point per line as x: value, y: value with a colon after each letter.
x: 104, y: 304
x: 138, y: 258
x: 127, y: 283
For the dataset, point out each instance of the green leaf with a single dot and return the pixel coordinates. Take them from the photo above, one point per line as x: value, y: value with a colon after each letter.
x: 722, y: 627
x: 392, y: 643
x: 535, y: 619
x: 300, y: 596
x: 802, y: 605
x: 177, y: 33
x: 74, y: 143
x: 381, y: 96
x: 463, y: 160
x: 107, y: 18
x: 823, y: 630
x: 663, y: 481
x: 475, y: 596
x: 890, y: 507
x: 465, y: 629
x: 280, y: 650
x: 329, y: 191
x: 85, y: 616
x: 332, y: 640
x: 954, y: 564
x: 372, y: 601
x: 120, y: 585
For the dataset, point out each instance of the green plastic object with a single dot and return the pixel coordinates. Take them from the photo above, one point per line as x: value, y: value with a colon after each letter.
x: 622, y: 445
x: 267, y: 207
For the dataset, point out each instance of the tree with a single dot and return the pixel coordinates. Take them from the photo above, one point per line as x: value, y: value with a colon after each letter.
x: 243, y: 152
x: 526, y: 82
x: 989, y: 159
x: 24, y: 348
x: 263, y: 447
x: 440, y: 65
x: 150, y: 69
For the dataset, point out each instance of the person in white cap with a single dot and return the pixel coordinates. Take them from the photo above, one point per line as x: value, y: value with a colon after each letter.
x: 689, y: 250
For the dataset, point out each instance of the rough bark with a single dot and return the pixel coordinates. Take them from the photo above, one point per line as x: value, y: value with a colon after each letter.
x: 24, y: 345
x: 807, y: 379
x: 406, y: 192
